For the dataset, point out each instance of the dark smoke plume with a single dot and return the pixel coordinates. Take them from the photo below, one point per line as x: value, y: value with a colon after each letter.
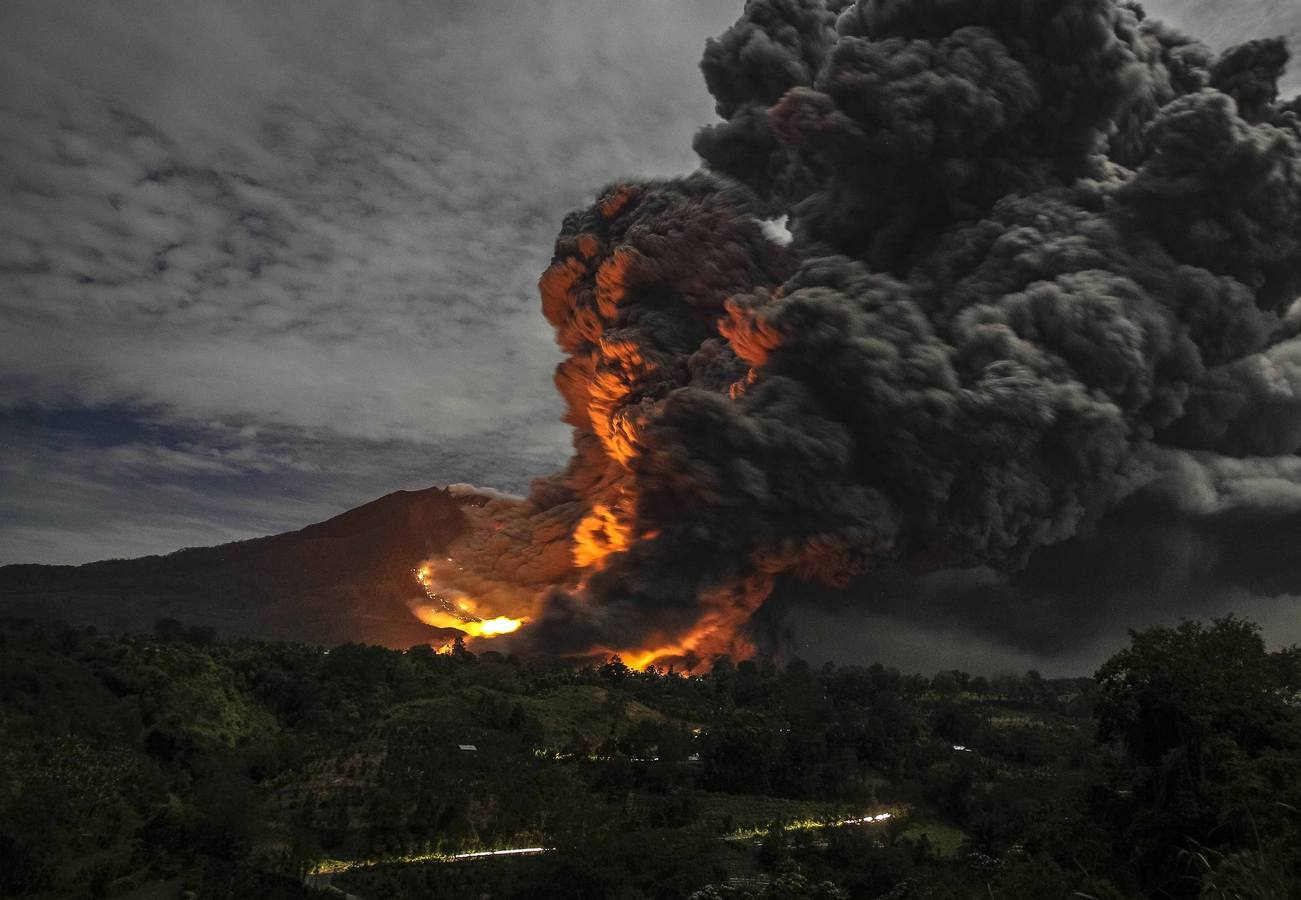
x: 1035, y: 247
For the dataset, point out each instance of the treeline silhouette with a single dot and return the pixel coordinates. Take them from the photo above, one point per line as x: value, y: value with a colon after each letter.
x: 176, y: 762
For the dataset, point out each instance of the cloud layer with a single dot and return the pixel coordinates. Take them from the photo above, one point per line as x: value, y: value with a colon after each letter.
x: 320, y: 221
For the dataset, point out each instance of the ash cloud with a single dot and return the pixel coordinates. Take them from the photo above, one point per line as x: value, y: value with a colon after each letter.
x: 1040, y: 251
x: 1162, y: 554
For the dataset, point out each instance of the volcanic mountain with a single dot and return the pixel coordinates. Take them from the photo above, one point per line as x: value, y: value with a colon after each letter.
x: 346, y: 579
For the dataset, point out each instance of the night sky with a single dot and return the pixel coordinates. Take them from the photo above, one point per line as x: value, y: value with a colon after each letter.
x: 261, y: 265
x: 265, y: 262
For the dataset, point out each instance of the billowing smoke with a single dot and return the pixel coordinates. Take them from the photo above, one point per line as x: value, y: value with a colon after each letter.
x: 1037, y: 247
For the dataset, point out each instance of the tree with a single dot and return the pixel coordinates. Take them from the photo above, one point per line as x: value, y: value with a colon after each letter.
x: 954, y: 721
x: 614, y: 671
x: 1211, y: 741
x: 945, y: 682
x: 1181, y: 689
x: 169, y: 629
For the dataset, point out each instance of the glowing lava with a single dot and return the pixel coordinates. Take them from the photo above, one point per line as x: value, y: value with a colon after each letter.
x: 720, y: 630
x: 443, y: 611
x: 474, y: 628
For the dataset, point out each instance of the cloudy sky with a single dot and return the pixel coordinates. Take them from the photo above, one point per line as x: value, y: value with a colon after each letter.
x: 263, y: 262
x: 260, y: 263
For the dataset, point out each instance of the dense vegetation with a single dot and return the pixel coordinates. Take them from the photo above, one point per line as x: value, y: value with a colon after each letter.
x: 152, y: 765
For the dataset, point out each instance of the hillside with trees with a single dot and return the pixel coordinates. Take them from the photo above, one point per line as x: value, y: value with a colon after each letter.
x: 175, y: 763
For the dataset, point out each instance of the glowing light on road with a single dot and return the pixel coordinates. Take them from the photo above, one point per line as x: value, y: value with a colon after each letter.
x: 749, y: 834
x: 339, y: 866
x: 517, y: 851
x: 879, y: 817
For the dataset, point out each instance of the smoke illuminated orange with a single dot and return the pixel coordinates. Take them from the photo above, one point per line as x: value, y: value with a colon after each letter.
x: 718, y: 632
x: 599, y: 534
x: 457, y: 613
x: 619, y: 273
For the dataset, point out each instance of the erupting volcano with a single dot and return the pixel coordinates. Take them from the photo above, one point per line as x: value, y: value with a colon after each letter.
x: 1037, y: 252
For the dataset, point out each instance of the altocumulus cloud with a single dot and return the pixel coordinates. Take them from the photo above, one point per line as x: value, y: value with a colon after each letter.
x: 261, y: 262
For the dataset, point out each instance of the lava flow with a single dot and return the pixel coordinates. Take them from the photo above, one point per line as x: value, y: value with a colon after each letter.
x: 458, y: 613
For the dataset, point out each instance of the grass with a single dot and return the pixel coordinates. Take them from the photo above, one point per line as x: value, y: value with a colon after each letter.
x: 157, y: 890
x: 572, y: 711
x: 586, y: 710
x: 944, y: 839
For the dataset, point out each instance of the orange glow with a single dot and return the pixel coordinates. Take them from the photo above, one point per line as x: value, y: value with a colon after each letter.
x: 457, y: 610
x: 718, y: 632
x: 753, y: 337
x: 599, y: 534
x: 474, y: 628
x: 614, y: 272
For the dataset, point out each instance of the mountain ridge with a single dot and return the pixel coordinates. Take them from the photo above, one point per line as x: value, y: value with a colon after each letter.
x: 346, y: 578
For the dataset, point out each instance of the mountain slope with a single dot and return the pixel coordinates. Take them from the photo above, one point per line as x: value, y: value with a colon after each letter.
x: 345, y: 579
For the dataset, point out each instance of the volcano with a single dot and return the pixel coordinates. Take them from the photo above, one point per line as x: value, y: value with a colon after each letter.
x: 956, y: 281
x: 345, y: 579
